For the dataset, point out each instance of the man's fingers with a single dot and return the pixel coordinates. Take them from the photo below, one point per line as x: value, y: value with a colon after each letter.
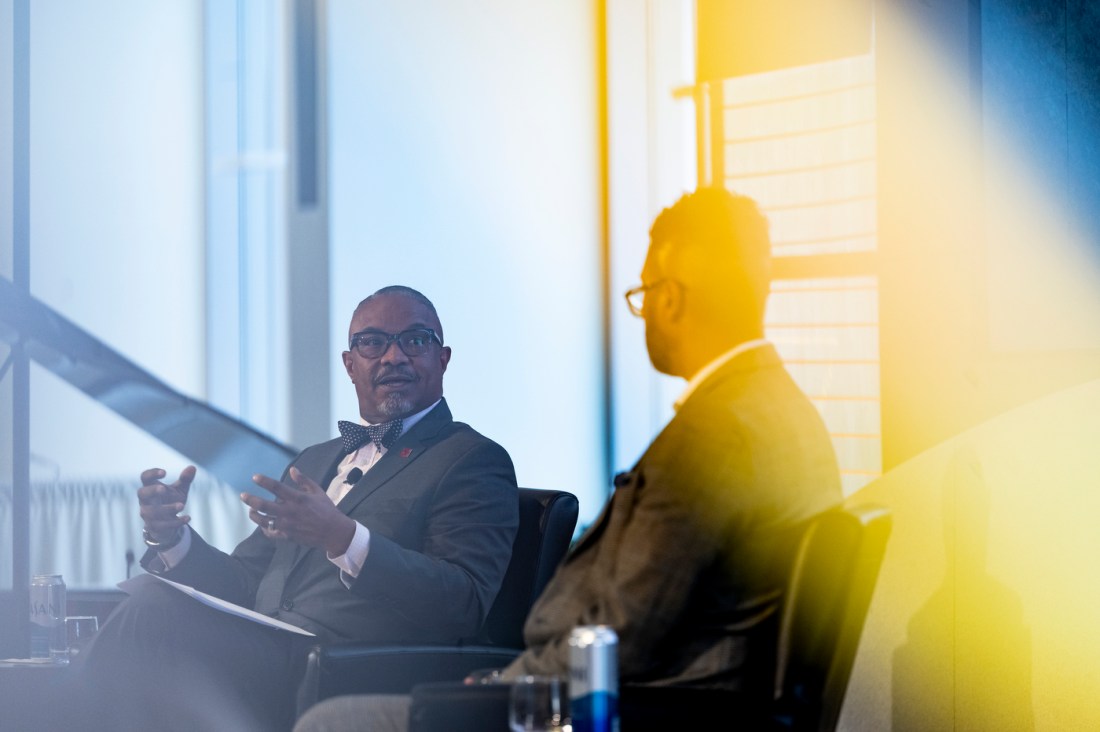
x: 156, y: 494
x: 170, y: 521
x: 265, y: 507
x: 152, y: 487
x: 256, y: 503
x: 259, y: 517
x: 186, y: 476
x: 182, y: 486
x: 281, y: 490
x: 152, y: 513
x: 270, y: 525
x: 304, y: 481
x: 161, y: 510
x: 267, y: 520
x: 153, y: 475
x: 167, y: 525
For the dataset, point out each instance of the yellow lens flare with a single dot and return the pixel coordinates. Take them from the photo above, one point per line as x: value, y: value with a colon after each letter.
x: 987, y: 610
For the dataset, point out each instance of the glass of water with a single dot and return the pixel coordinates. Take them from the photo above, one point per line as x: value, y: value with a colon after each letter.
x: 539, y: 704
x: 80, y: 629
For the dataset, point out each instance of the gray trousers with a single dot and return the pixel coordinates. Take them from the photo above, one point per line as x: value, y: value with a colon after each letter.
x: 360, y: 713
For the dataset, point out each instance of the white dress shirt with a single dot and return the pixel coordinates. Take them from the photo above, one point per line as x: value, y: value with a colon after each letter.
x: 702, y: 374
x: 365, y: 458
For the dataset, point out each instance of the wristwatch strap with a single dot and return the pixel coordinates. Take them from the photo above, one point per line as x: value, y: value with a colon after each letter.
x: 161, y: 546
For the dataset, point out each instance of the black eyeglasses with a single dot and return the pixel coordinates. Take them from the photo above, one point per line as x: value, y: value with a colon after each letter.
x: 374, y: 343
x: 635, y: 297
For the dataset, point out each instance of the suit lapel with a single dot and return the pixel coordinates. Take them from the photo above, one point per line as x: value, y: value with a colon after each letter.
x: 632, y: 481
x: 408, y: 448
x: 625, y: 486
x: 325, y: 463
x: 321, y: 465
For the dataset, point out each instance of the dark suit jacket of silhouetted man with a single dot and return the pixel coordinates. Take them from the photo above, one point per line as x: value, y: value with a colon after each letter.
x: 440, y: 506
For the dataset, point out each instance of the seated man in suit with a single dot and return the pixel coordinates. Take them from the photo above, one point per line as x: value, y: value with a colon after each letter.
x: 688, y: 561
x: 399, y: 531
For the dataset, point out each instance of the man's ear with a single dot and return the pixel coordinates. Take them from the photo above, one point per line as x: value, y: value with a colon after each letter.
x: 346, y: 356
x: 672, y: 300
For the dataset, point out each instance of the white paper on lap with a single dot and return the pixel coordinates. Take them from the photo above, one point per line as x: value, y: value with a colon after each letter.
x: 131, y: 584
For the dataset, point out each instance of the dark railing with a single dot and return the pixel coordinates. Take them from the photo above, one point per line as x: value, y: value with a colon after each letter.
x: 223, y: 445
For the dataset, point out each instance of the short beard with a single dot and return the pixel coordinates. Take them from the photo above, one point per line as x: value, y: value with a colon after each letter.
x: 395, y: 405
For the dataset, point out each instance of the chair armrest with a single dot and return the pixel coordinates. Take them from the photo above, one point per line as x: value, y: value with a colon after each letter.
x: 356, y: 668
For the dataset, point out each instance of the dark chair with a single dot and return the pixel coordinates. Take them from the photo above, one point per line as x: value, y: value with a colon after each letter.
x: 547, y: 520
x: 829, y: 594
x: 832, y: 580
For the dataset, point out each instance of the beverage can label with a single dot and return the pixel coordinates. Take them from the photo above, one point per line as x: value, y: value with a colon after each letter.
x: 594, y: 679
x: 48, y: 636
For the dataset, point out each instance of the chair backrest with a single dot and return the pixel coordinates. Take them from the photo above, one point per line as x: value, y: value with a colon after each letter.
x: 547, y: 519
x: 833, y: 578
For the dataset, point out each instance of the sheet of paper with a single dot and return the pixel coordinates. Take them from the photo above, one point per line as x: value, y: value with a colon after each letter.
x: 129, y: 585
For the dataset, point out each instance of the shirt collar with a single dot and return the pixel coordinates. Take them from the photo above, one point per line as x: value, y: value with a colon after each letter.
x: 408, y: 422
x: 702, y: 374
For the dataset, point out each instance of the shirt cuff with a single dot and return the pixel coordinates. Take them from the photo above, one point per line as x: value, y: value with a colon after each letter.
x: 172, y: 557
x: 351, y: 561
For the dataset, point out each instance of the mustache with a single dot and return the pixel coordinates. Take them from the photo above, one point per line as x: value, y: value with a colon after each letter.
x: 386, y: 373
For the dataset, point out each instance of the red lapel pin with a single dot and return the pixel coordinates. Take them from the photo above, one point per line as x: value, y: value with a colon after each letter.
x: 405, y: 452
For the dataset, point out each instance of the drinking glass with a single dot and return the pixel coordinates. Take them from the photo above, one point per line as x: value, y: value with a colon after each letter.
x: 80, y: 629
x: 539, y: 704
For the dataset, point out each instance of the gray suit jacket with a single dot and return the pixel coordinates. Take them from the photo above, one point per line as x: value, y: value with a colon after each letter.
x: 688, y: 559
x: 442, y: 508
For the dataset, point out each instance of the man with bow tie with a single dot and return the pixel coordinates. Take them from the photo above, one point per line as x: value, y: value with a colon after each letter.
x: 398, y: 531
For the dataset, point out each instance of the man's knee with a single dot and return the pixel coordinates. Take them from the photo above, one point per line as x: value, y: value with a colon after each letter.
x: 358, y: 713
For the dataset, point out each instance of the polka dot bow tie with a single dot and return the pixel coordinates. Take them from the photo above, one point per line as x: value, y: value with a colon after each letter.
x: 355, y: 435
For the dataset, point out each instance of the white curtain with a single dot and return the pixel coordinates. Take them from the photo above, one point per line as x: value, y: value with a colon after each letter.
x: 82, y: 530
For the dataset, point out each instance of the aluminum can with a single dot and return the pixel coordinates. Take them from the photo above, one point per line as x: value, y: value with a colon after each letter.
x: 48, y: 636
x: 594, y: 679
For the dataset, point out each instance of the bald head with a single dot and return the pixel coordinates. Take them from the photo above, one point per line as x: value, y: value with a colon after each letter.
x: 406, y: 292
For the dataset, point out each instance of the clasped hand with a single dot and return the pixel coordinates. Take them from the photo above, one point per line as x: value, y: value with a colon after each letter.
x: 301, y: 512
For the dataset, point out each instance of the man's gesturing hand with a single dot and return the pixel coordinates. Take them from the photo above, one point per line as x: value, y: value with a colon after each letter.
x: 300, y: 512
x: 161, y: 503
